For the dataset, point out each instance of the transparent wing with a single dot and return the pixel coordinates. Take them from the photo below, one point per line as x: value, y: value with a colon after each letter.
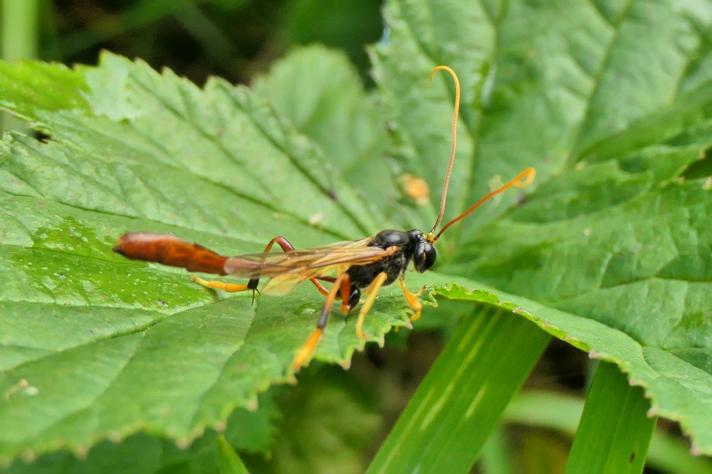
x: 286, y: 270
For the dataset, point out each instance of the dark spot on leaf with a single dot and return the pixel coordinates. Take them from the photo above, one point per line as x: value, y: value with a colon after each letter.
x: 701, y: 168
x: 632, y: 456
x: 43, y: 137
x: 332, y: 195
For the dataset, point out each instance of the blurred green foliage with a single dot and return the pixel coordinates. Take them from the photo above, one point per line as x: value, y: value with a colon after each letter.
x: 196, y: 38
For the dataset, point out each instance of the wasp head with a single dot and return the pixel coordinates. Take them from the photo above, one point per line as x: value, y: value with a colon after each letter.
x: 424, y: 253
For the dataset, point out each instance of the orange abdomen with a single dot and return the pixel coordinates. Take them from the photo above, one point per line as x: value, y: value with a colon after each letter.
x: 169, y: 250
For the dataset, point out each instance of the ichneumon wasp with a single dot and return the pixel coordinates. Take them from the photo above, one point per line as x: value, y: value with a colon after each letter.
x: 350, y: 267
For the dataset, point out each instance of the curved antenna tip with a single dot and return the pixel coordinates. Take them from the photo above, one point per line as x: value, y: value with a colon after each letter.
x: 525, y: 178
x: 522, y: 180
x: 442, y: 67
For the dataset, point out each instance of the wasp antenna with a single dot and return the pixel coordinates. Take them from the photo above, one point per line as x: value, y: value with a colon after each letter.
x: 522, y: 180
x: 453, y: 142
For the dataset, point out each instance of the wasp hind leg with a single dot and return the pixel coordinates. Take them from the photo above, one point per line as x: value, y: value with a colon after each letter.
x: 306, y: 351
x: 371, y: 294
x: 222, y: 285
x: 412, y: 299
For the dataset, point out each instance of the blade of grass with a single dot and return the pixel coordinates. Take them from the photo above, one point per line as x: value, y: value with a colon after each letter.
x: 496, y: 453
x: 449, y: 418
x: 230, y: 462
x: 134, y: 17
x: 215, y: 43
x: 614, y: 431
x: 562, y: 412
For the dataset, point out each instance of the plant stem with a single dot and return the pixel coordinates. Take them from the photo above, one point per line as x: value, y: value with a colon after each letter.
x: 19, y: 29
x: 18, y: 40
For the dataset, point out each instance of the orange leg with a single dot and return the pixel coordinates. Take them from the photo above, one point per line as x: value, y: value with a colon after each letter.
x: 306, y: 352
x: 371, y: 293
x: 412, y: 299
x: 345, y: 293
x: 287, y: 246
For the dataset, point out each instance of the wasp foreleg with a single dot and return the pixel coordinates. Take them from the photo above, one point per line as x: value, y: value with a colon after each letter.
x: 371, y: 294
x: 412, y: 299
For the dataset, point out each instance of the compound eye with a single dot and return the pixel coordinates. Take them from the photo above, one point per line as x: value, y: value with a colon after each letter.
x: 425, y: 256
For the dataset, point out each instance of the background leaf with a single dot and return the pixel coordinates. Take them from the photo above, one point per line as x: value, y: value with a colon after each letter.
x: 230, y: 462
x: 334, y: 110
x: 249, y: 431
x: 611, y: 104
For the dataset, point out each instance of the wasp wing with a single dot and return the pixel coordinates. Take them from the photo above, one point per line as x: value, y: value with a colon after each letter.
x: 287, y: 270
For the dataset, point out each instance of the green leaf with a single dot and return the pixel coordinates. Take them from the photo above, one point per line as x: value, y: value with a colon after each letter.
x: 95, y: 346
x: 540, y: 82
x: 611, y: 248
x: 230, y: 462
x: 661, y: 375
x: 334, y: 110
x: 247, y: 431
x: 32, y: 86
